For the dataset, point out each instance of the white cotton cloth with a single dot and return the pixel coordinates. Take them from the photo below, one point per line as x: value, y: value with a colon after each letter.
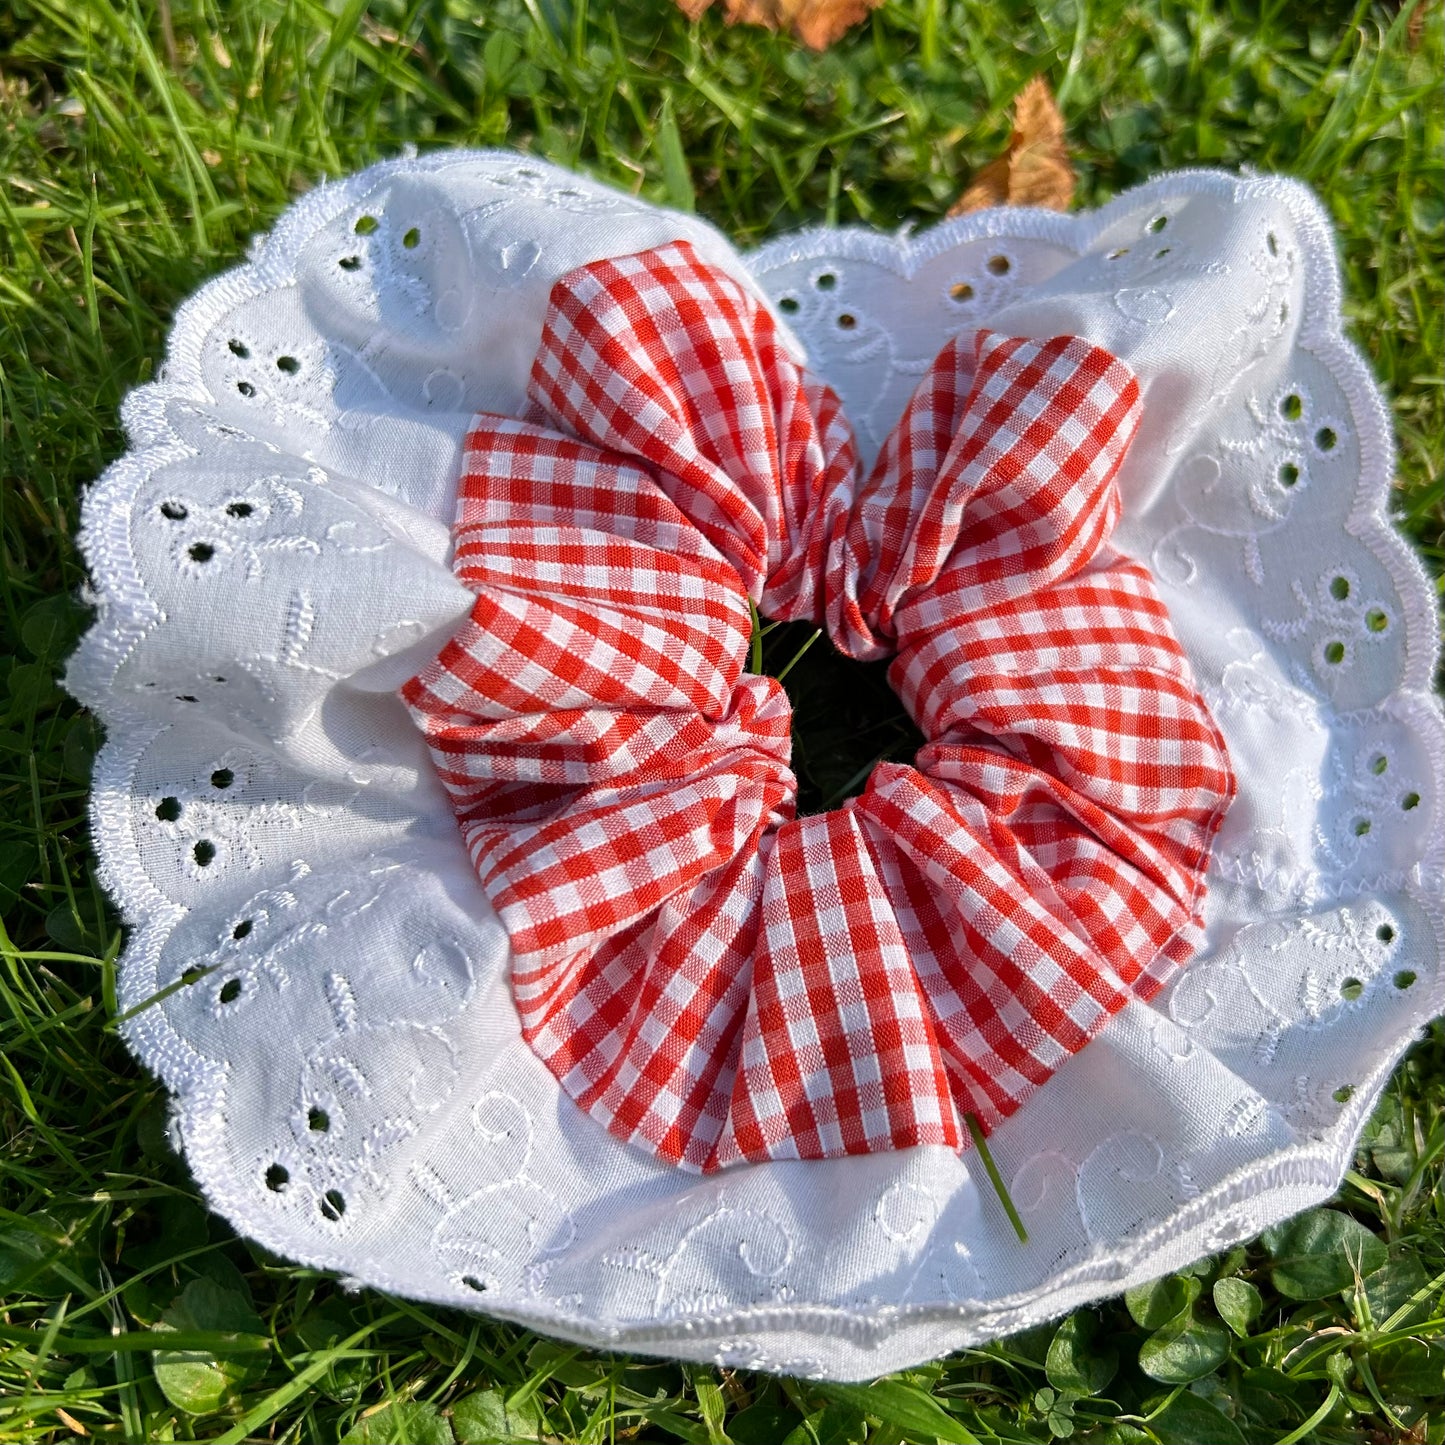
x: 270, y: 561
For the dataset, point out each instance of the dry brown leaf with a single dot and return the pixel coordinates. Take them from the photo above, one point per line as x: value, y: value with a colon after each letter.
x: 817, y: 23
x: 1415, y: 28
x: 1035, y: 171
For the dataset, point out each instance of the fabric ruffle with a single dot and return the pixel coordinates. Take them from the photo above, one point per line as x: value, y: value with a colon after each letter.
x: 709, y: 976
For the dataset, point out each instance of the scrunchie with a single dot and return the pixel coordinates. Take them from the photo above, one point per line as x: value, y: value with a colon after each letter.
x: 706, y: 974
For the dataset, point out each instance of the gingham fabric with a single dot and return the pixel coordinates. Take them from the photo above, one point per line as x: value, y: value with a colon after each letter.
x: 706, y: 974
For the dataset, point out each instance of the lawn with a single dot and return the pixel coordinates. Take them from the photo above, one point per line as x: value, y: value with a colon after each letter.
x: 141, y: 145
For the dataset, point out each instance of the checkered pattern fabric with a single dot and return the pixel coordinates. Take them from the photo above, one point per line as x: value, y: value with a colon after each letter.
x: 708, y: 975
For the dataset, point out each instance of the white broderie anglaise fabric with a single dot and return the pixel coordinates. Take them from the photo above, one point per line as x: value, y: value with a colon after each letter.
x: 352, y: 1089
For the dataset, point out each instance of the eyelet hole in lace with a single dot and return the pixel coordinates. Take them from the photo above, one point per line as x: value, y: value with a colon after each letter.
x: 288, y: 364
x: 1158, y: 224
x: 999, y: 265
x: 222, y: 778
x: 318, y: 1120
x: 1404, y: 979
x: 1334, y: 653
x: 240, y: 510
x: 245, y: 388
x: 168, y: 810
x: 174, y: 511
x: 1325, y: 439
x: 238, y: 348
x: 826, y: 282
x: 788, y: 305
x: 1376, y: 620
x: 365, y: 225
x: 1292, y: 407
x: 473, y: 1283
x: 847, y: 321
x: 242, y: 929
x: 350, y: 263
x: 1271, y: 243
x: 230, y: 991
x: 1378, y: 764
x: 200, y: 551
x: 204, y: 852
x: 1288, y: 474
x: 412, y: 239
x: 1362, y: 827
x: 1351, y: 989
x: 333, y: 1204
x: 1385, y: 933
x: 1410, y: 802
x: 1162, y: 252
x: 277, y: 1177
x: 1117, y: 254
x: 960, y: 291
x: 1343, y: 1094
x: 1340, y: 588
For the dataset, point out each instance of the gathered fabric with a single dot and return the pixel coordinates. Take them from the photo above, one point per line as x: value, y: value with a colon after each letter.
x: 708, y: 975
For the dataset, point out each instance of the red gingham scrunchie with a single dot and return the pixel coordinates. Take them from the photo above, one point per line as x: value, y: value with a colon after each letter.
x: 706, y: 974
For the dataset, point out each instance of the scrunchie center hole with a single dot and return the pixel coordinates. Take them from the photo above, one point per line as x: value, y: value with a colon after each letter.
x: 846, y: 718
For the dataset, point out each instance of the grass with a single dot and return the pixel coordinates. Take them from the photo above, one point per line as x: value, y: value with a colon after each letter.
x: 140, y: 146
